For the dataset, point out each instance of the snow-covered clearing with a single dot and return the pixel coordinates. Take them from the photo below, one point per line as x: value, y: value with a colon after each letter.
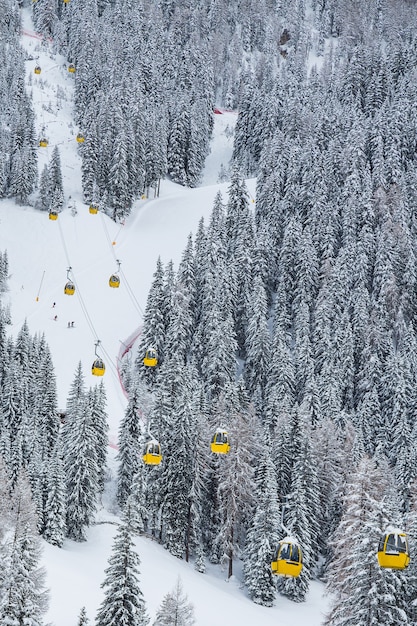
x: 40, y: 252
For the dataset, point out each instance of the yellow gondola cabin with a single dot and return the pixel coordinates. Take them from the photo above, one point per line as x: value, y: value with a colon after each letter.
x: 114, y: 281
x: 43, y: 142
x: 288, y: 558
x: 152, y: 454
x: 150, y: 358
x: 80, y: 138
x: 93, y: 209
x: 71, y: 68
x: 53, y: 215
x: 37, y: 69
x: 393, y: 551
x: 98, y: 368
x: 69, y: 288
x: 220, y: 442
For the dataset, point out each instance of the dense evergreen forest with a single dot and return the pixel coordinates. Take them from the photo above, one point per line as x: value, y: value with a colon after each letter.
x: 290, y: 325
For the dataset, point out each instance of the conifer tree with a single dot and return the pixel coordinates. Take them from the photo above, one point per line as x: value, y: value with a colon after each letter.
x: 175, y: 609
x: 235, y: 474
x: 123, y: 600
x: 81, y: 472
x: 363, y: 592
x: 263, y: 535
x: 24, y: 599
x: 54, y: 530
x: 131, y: 440
x: 82, y: 618
x: 97, y: 401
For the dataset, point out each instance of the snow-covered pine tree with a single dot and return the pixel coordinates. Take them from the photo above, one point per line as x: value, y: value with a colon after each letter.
x: 131, y: 432
x: 44, y: 189
x: 76, y: 398
x: 264, y: 533
x: 410, y: 576
x: 123, y: 599
x: 176, y: 479
x: 79, y: 449
x: 175, y: 609
x: 23, y: 598
x: 154, y: 322
x: 97, y: 400
x: 234, y: 497
x: 54, y: 530
x: 82, y: 618
x: 302, y: 515
x: 362, y: 591
x: 258, y: 340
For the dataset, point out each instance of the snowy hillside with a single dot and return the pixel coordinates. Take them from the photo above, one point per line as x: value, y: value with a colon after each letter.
x: 41, y: 252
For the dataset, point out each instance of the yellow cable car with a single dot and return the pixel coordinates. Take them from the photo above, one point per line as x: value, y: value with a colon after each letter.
x: 288, y: 558
x: 393, y: 552
x: 152, y: 454
x: 151, y: 358
x: 69, y: 288
x: 53, y: 215
x: 93, y: 209
x: 43, y: 142
x: 114, y: 281
x: 220, y: 442
x: 80, y: 138
x: 98, y: 368
x: 71, y: 66
x: 37, y: 69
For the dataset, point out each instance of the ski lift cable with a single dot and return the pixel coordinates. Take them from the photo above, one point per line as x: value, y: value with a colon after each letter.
x: 83, y: 305
x: 64, y: 244
x: 107, y: 235
x: 111, y: 366
x: 132, y: 295
x: 128, y: 287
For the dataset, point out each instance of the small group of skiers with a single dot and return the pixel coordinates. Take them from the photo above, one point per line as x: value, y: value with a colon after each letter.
x: 70, y: 324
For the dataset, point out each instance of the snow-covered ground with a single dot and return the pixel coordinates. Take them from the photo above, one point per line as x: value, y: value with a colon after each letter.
x: 40, y: 252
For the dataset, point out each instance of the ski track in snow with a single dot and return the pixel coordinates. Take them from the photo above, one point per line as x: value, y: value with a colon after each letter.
x: 40, y: 252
